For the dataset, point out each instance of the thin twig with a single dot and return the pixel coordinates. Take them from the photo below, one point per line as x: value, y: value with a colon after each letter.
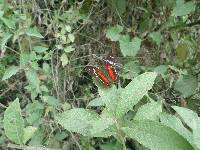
x: 77, y: 143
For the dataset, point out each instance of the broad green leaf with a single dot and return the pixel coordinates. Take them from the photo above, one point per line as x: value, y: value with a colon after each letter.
x: 33, y: 32
x: 100, y: 125
x: 162, y: 69
x: 182, y: 9
x: 40, y: 49
x: 9, y: 22
x: 1, y: 13
x: 69, y: 49
x: 38, y: 137
x: 96, y: 102
x: 186, y: 85
x: 13, y: 122
x: 131, y: 70
x: 34, y: 112
x: 68, y: 28
x: 156, y: 136
x: 149, y: 111
x: 176, y: 124
x: 4, y: 40
x: 12, y: 70
x: 51, y: 100
x: 103, y: 126
x: 156, y: 37
x: 120, y: 6
x: 196, y: 135
x: 52, y: 142
x: 61, y: 135
x: 111, y: 146
x: 182, y: 52
x: 32, y: 77
x: 71, y: 37
x: 188, y: 116
x: 114, y: 33
x: 134, y: 92
x: 28, y: 133
x: 24, y: 59
x: 66, y: 106
x: 129, y: 48
x: 46, y: 68
x: 111, y: 97
x: 64, y: 59
x: 77, y: 120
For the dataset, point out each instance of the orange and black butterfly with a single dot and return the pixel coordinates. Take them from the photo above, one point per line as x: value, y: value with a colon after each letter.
x: 108, y: 74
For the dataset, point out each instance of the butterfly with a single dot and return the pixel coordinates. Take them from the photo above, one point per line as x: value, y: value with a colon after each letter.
x: 109, y: 74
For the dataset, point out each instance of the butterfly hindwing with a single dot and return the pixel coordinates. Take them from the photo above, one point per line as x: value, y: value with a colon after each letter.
x: 96, y: 72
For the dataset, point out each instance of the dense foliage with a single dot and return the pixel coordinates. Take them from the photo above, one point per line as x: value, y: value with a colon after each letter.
x: 48, y: 100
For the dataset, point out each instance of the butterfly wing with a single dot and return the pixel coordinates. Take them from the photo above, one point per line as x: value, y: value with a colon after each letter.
x: 110, y: 66
x: 96, y: 72
x: 111, y: 71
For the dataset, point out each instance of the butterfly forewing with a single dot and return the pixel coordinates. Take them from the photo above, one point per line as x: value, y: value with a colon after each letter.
x: 94, y: 71
x: 110, y: 66
x: 111, y: 72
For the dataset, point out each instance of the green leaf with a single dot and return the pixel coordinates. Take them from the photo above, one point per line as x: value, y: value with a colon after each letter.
x: 38, y: 137
x: 24, y: 59
x: 96, y: 102
x: 51, y: 100
x: 131, y: 70
x: 156, y: 136
x: 64, y: 59
x: 149, y: 111
x: 182, y: 9
x: 120, y: 101
x: 13, y: 122
x: 196, y: 135
x: 34, y: 112
x: 175, y: 123
x: 129, y: 48
x: 77, y: 120
x: 28, y: 133
x: 100, y: 125
x: 188, y: 116
x: 5, y: 38
x: 71, y: 37
x: 114, y: 33
x: 111, y: 146
x: 9, y: 22
x: 134, y: 92
x: 182, y: 52
x: 33, y: 32
x: 40, y: 49
x: 120, y: 6
x: 186, y: 85
x: 111, y: 97
x: 61, y: 135
x: 162, y: 69
x: 12, y: 70
x: 1, y: 13
x: 68, y: 28
x: 69, y: 49
x: 156, y: 37
x: 32, y: 77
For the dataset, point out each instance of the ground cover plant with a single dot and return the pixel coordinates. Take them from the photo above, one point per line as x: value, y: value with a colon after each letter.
x: 53, y: 58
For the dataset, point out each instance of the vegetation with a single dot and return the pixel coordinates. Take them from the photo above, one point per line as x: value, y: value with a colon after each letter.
x: 49, y: 101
